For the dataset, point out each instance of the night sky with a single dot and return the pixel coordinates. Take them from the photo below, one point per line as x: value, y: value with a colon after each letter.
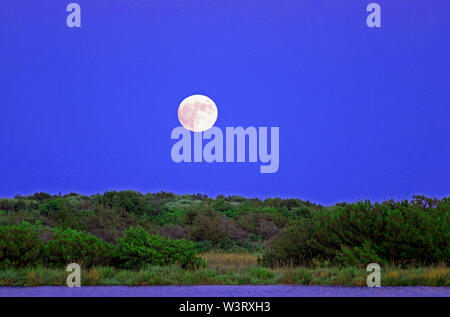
x: 363, y: 112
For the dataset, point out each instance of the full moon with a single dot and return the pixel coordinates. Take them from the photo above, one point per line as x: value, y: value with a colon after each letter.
x: 197, y: 113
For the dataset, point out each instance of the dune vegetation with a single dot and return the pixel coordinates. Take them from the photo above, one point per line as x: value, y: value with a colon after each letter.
x: 228, y: 269
x: 129, y: 238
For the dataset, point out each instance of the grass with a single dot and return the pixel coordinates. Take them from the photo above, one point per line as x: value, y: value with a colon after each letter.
x: 229, y: 269
x: 230, y: 261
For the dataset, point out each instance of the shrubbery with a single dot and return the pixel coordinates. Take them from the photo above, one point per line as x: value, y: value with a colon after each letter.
x: 138, y: 248
x: 289, y: 231
x: 129, y: 201
x: 68, y: 246
x: 20, y: 246
x: 356, y: 234
x: 359, y: 256
x: 223, y: 222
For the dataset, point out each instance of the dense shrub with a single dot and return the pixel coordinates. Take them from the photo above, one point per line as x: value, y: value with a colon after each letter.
x: 395, y: 232
x: 138, y: 248
x: 292, y: 231
x: 222, y: 206
x: 17, y: 218
x: 41, y: 196
x: 129, y: 201
x: 53, y: 205
x: 7, y: 205
x: 17, y: 205
x: 106, y: 223
x: 174, y: 232
x: 267, y: 229
x: 357, y: 256
x: 20, y: 246
x: 232, y: 230
x: 207, y: 225
x: 291, y: 248
x: 60, y: 213
x: 72, y: 246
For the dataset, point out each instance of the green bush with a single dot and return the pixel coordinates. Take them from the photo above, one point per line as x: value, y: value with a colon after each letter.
x: 72, y: 246
x: 7, y: 205
x: 20, y: 246
x: 291, y: 248
x: 207, y: 225
x: 400, y: 233
x: 203, y: 246
x: 54, y: 205
x: 61, y: 213
x: 292, y: 231
x: 138, y: 248
x: 129, y: 201
x: 358, y: 256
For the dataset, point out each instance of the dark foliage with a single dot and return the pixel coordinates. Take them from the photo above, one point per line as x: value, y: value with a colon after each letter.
x: 290, y: 231
x: 20, y: 246
x: 72, y: 246
x: 139, y: 249
x: 357, y: 234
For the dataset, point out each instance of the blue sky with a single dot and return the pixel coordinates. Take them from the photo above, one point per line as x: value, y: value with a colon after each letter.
x: 363, y: 113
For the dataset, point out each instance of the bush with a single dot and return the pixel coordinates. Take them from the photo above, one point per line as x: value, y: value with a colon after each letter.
x: 400, y: 233
x: 106, y: 223
x: 72, y: 246
x: 207, y: 225
x: 7, y: 205
x: 291, y: 248
x: 54, y: 205
x: 129, y: 201
x: 358, y: 256
x: 41, y: 196
x: 203, y: 246
x: 20, y: 246
x: 60, y: 213
x: 174, y: 232
x: 138, y: 248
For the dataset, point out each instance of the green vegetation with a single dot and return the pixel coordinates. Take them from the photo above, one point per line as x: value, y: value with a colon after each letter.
x: 350, y: 234
x: 291, y: 241
x: 228, y: 269
x: 68, y: 246
x: 19, y: 246
x: 138, y: 248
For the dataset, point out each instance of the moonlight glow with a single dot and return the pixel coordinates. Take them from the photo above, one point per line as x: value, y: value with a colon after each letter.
x: 197, y: 113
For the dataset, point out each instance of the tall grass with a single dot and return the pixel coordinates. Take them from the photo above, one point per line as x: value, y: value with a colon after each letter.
x: 230, y: 261
x: 229, y: 269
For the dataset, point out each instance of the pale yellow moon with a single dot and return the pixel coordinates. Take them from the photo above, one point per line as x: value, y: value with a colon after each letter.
x: 197, y: 113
